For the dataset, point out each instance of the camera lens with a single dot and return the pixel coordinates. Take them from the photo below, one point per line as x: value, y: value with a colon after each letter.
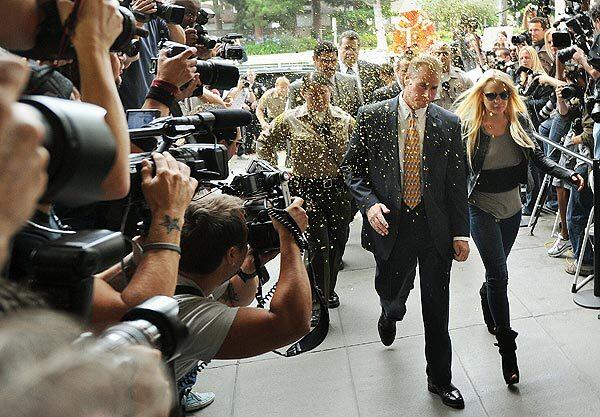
x: 170, y: 13
x: 566, y: 54
x: 206, y: 41
x: 568, y: 92
x: 217, y: 75
x: 81, y: 147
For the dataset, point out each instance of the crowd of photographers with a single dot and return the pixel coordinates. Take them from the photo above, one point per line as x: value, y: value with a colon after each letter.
x: 554, y: 64
x: 123, y: 117
x: 74, y: 167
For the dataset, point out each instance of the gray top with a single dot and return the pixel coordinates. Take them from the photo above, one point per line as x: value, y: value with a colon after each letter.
x: 208, y: 321
x: 503, y: 152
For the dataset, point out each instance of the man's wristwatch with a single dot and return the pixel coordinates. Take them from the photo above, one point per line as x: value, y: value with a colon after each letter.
x: 246, y: 277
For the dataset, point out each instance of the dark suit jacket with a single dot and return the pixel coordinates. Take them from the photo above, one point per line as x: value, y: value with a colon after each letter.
x: 387, y: 92
x: 373, y: 175
x: 370, y: 78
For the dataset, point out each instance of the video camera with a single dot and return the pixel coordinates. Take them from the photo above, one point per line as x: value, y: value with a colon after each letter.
x: 262, y: 187
x: 51, y: 35
x: 230, y: 50
x: 154, y: 323
x: 212, y: 72
x: 207, y: 161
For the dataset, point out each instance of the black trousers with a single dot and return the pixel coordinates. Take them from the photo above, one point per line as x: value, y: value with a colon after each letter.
x: 394, y: 278
x: 328, y: 208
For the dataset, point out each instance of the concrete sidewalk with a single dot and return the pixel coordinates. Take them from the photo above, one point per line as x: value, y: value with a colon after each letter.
x: 353, y: 374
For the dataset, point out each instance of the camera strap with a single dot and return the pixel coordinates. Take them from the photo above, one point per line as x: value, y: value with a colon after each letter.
x: 319, y: 332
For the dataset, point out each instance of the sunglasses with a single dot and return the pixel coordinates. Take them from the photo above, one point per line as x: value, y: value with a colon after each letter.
x: 492, y: 96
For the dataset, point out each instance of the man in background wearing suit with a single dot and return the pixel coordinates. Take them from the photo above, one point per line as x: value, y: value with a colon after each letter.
x: 346, y: 91
x: 349, y: 64
x: 406, y: 168
x: 392, y: 90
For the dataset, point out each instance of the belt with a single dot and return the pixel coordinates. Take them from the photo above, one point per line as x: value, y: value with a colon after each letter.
x: 327, y: 183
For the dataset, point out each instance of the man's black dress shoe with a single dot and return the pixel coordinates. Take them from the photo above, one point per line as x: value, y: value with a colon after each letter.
x: 449, y: 394
x: 334, y: 300
x: 387, y: 329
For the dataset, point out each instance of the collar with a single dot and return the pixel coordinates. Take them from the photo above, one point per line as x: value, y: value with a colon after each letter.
x: 344, y: 67
x: 302, y: 111
x: 404, y: 110
x: 181, y: 280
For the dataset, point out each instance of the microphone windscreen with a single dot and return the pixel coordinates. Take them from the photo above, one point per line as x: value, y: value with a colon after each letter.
x: 229, y: 118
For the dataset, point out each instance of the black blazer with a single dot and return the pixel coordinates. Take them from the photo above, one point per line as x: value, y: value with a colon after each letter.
x: 387, y: 92
x: 370, y: 78
x: 536, y: 155
x: 372, y: 172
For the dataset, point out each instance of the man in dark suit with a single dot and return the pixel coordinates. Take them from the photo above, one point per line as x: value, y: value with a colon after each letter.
x: 345, y: 89
x: 392, y: 90
x: 349, y: 64
x: 406, y: 168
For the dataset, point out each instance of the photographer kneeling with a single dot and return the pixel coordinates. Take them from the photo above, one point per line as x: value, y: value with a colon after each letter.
x: 214, y: 246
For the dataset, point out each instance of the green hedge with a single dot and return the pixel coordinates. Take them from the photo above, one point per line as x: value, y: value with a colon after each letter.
x: 289, y: 44
x: 281, y: 45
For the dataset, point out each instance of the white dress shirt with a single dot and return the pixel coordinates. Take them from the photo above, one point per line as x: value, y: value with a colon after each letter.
x: 344, y: 70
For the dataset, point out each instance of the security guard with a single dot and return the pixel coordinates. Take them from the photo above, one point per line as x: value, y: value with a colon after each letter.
x: 318, y: 134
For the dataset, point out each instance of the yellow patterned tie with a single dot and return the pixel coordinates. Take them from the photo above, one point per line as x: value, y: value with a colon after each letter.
x: 412, y: 165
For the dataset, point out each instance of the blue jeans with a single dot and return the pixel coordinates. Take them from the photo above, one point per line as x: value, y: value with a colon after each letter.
x: 494, y: 239
x: 578, y: 210
x: 555, y: 128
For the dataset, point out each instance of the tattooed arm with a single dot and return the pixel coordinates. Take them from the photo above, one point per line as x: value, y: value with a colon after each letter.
x: 239, y: 293
x: 167, y: 193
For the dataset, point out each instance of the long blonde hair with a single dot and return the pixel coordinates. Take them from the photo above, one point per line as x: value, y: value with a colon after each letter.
x: 535, y: 59
x: 471, y: 110
x: 547, y: 39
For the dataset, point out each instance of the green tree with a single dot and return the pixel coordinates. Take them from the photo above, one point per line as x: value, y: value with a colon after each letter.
x: 447, y: 13
x: 257, y: 14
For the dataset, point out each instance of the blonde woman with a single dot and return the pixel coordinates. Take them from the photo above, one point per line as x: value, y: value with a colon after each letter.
x: 535, y: 94
x: 497, y: 133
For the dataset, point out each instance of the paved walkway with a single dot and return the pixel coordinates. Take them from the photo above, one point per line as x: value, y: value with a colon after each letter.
x: 353, y: 374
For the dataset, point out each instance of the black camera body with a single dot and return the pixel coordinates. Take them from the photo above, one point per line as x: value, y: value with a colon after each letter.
x: 212, y: 72
x: 170, y: 13
x: 206, y: 162
x: 570, y: 91
x: 230, y: 50
x: 263, y: 186
x: 63, y: 268
x: 49, y: 43
x: 522, y: 38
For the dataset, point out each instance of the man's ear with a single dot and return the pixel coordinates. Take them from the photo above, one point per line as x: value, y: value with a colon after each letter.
x: 231, y: 255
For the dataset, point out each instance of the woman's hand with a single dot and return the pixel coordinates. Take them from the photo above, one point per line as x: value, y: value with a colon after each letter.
x: 578, y: 181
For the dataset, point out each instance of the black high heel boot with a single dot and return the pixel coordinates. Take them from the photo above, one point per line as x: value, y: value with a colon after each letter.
x: 485, y: 308
x: 507, y: 347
